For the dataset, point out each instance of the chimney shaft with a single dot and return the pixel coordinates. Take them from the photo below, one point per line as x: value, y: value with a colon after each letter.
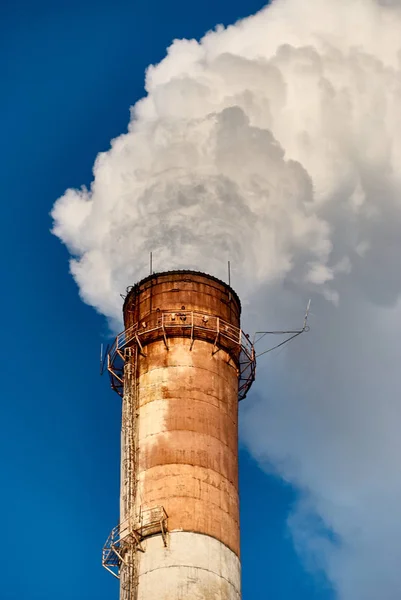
x: 184, y: 364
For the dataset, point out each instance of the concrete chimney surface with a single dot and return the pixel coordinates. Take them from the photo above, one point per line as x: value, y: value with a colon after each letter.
x: 179, y: 522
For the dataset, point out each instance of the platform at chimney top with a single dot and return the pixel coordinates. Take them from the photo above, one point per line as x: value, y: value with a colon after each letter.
x: 186, y: 304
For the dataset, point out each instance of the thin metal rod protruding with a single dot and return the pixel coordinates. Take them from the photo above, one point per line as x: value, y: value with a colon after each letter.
x: 229, y: 273
x: 151, y: 263
x: 292, y: 333
x: 306, y: 315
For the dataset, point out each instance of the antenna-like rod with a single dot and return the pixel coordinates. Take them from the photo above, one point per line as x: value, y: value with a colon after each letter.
x: 101, y: 358
x: 293, y: 333
x: 229, y: 273
x: 151, y: 263
x: 306, y: 315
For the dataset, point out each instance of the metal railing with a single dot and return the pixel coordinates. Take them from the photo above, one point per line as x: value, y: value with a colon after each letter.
x: 189, y: 324
x: 111, y: 556
x: 151, y: 521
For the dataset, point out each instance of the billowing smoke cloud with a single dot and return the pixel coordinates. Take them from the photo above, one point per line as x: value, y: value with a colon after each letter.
x: 276, y: 143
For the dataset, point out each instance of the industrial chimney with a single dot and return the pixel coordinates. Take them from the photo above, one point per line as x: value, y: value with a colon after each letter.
x: 181, y: 365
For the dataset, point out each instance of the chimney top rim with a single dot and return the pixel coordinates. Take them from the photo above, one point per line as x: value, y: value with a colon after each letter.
x: 184, y: 272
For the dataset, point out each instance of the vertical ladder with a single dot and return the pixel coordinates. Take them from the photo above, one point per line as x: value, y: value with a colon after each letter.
x: 129, y: 450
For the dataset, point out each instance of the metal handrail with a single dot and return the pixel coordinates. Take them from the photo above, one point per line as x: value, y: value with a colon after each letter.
x: 224, y: 328
x: 167, y: 322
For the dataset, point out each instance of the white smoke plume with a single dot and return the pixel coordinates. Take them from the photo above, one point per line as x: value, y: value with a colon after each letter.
x: 276, y: 143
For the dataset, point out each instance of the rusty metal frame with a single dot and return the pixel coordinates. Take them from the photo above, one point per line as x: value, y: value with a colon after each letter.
x: 216, y: 338
x: 220, y: 333
x: 192, y: 330
x: 110, y: 556
x: 140, y: 345
x: 164, y: 332
x: 115, y: 546
x: 163, y: 532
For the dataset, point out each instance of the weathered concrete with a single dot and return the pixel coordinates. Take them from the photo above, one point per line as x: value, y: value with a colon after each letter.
x: 188, y: 437
x: 182, y: 453
x: 173, y: 290
x: 192, y: 567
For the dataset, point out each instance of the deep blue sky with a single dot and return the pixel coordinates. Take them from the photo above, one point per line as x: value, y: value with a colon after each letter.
x: 70, y: 70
